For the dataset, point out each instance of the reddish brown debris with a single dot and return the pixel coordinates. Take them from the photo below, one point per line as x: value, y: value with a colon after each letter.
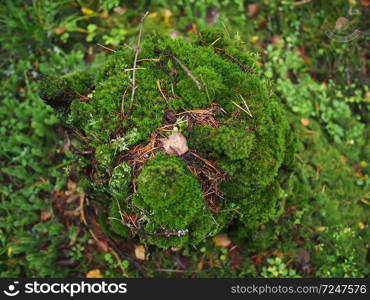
x: 207, y: 172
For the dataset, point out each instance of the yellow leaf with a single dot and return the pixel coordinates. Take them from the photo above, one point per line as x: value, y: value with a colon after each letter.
x: 254, y: 39
x: 153, y: 15
x: 166, y: 16
x: 94, y: 274
x: 200, y: 266
x: 221, y: 240
x: 140, y: 252
x: 87, y: 11
x: 321, y: 228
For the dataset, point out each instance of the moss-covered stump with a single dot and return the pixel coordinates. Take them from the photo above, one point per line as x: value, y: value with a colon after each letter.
x: 232, y: 138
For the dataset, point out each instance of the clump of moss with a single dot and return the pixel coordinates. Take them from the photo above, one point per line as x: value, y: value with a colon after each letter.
x: 60, y: 91
x: 166, y: 187
x: 170, y: 200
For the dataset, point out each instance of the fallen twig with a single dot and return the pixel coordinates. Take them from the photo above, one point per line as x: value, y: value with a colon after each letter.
x: 243, y: 109
x: 137, y: 51
x: 82, y: 211
x: 122, y: 107
x: 177, y: 271
x: 106, y: 48
x: 148, y: 59
x: 186, y: 70
x: 160, y: 90
x: 246, y: 105
x: 244, y: 67
x: 301, y: 2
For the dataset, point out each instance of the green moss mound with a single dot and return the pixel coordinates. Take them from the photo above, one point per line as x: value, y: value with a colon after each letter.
x: 209, y: 89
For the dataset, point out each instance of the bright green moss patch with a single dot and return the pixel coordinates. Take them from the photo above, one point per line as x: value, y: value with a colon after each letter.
x: 167, y: 188
x: 211, y: 91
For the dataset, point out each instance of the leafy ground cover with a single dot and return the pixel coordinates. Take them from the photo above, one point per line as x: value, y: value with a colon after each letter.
x: 50, y: 225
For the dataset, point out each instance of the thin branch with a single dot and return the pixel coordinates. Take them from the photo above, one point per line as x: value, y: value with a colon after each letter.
x: 106, y: 48
x: 148, y: 59
x: 122, y: 107
x: 244, y: 67
x: 160, y: 90
x: 173, y: 91
x: 82, y: 211
x: 246, y: 105
x: 186, y: 70
x: 137, y: 50
x: 243, y: 109
x: 177, y: 271
x: 132, y: 69
x: 301, y: 2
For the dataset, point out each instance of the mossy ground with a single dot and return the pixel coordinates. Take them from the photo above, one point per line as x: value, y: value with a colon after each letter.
x: 323, y: 227
x: 211, y: 78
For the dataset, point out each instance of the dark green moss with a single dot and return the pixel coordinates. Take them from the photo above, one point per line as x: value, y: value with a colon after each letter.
x: 59, y: 92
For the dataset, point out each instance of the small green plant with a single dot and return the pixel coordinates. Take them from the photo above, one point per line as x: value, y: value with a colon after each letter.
x: 309, y: 98
x: 276, y: 268
x: 111, y: 267
x: 76, y: 252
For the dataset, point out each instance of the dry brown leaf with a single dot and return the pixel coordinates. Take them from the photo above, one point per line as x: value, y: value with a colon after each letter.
x: 200, y: 266
x: 102, y: 245
x: 140, y: 252
x: 120, y: 10
x: 45, y: 215
x: 365, y: 3
x: 175, y: 144
x: 303, y: 257
x: 94, y: 274
x: 253, y: 10
x: 305, y: 122
x: 222, y: 240
x: 59, y: 30
x: 71, y: 186
x: 341, y: 23
x: 276, y: 40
